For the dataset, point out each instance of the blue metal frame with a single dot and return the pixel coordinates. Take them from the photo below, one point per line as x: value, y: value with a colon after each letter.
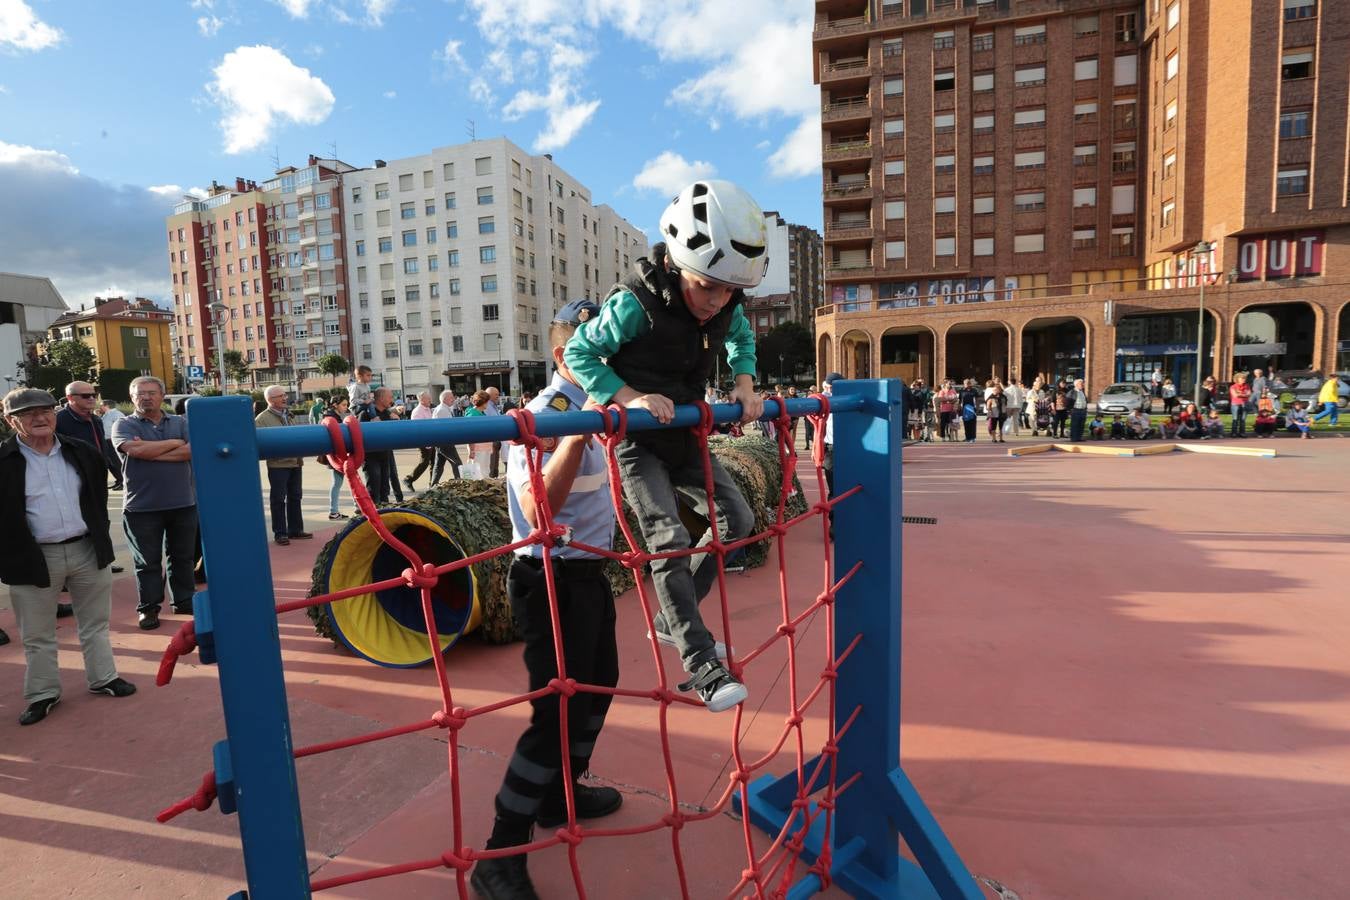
x: 255, y: 768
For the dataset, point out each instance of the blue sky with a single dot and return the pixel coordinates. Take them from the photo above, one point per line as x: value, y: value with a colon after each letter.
x: 106, y: 118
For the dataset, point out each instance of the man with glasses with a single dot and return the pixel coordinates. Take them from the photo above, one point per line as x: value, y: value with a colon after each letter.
x: 54, y: 511
x: 79, y: 421
x: 159, y: 508
x: 283, y: 474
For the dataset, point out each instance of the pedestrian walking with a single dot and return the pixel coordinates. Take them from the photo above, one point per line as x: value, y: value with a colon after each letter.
x: 284, y: 474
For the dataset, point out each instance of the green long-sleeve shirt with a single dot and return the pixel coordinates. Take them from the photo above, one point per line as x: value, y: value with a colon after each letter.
x: 621, y: 320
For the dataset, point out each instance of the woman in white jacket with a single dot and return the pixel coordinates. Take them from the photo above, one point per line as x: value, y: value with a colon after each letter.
x: 1016, y: 396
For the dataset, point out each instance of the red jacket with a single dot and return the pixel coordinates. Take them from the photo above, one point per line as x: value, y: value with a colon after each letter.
x: 1239, y: 393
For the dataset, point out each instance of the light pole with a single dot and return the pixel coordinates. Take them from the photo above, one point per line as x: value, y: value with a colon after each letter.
x: 218, y: 311
x: 780, y: 368
x: 398, y: 329
x: 1202, y: 249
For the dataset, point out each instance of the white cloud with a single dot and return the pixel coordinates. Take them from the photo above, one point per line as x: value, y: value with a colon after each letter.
x: 297, y: 9
x: 389, y: 95
x: 800, y: 153
x: 481, y: 92
x: 256, y: 86
x: 3, y: 89
x: 18, y: 155
x: 376, y: 10
x: 210, y: 25
x: 567, y: 115
x: 452, y: 56
x: 21, y: 27
x: 669, y: 172
x: 175, y: 192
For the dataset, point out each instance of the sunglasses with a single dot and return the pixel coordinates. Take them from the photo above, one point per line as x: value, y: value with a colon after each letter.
x: 85, y: 396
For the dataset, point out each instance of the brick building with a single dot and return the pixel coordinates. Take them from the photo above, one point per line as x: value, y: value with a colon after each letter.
x: 1023, y: 187
x: 124, y: 334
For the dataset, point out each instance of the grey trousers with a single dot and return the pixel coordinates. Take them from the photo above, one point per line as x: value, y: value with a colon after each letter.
x: 681, y: 582
x: 74, y: 566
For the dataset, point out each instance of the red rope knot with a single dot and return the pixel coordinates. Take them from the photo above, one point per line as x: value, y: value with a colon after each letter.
x: 777, y: 529
x: 454, y: 720
x: 793, y: 720
x: 662, y: 695
x: 794, y: 846
x: 750, y: 876
x: 826, y: 599
x: 674, y: 819
x: 337, y: 457
x: 824, y: 406
x: 786, y: 629
x: 358, y: 454
x: 461, y: 860
x: 614, y: 434
x: 181, y: 644
x: 801, y: 803
x: 426, y: 578
x: 825, y: 803
x: 556, y: 536
x: 200, y: 801
x: 634, y: 559
x: 565, y: 686
x: 525, y: 423
x: 705, y: 419
x: 567, y: 836
x: 831, y: 748
x: 829, y: 673
x: 783, y: 420
x: 821, y: 869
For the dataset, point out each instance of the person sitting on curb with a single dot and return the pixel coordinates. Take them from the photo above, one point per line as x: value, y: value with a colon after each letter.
x: 1140, y: 427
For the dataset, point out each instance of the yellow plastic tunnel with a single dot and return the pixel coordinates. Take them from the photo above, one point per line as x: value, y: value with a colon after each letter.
x: 388, y: 627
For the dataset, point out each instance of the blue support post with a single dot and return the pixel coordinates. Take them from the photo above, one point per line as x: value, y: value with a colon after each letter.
x: 883, y: 805
x: 253, y: 694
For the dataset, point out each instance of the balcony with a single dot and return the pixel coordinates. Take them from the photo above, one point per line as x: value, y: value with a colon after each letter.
x: 848, y: 270
x: 849, y: 191
x: 836, y: 28
x: 854, y: 108
x: 842, y: 151
x: 848, y: 232
x: 848, y: 71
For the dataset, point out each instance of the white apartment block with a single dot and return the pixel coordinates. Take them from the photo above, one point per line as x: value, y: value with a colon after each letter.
x: 458, y: 259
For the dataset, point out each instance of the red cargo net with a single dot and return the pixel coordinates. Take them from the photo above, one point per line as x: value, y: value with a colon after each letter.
x: 767, y: 874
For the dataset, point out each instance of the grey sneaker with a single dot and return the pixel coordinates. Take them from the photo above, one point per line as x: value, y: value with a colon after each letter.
x: 716, y: 687
x: 669, y: 641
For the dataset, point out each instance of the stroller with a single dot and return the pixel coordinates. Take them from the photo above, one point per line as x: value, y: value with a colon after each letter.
x: 1045, y: 415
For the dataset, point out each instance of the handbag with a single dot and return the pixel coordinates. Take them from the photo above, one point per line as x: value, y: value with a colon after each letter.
x: 471, y: 471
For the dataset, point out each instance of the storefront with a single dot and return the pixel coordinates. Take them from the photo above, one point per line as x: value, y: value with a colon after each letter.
x: 465, y: 378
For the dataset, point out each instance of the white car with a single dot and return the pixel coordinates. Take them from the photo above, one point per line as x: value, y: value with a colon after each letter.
x: 1124, y: 398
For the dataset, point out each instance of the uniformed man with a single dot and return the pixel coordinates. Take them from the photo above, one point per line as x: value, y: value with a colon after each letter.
x: 576, y: 479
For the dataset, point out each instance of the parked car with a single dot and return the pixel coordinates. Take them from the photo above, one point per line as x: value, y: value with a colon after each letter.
x: 1306, y: 386
x: 1125, y: 397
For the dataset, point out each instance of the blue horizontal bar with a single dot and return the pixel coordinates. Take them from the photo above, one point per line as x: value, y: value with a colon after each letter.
x: 304, y: 440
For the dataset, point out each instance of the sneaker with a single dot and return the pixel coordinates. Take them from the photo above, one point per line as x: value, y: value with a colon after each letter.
x: 117, y: 570
x: 592, y: 803
x: 183, y: 609
x: 149, y: 620
x: 716, y: 687
x: 336, y: 516
x: 117, y: 687
x: 407, y: 480
x: 282, y: 539
x: 64, y: 610
x: 504, y: 878
x: 669, y: 641
x: 300, y: 536
x: 38, y: 710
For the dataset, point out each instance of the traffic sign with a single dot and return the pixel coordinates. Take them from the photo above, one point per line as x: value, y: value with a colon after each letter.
x: 196, y: 373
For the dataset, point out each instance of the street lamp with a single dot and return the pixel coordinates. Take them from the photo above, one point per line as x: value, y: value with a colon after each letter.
x: 780, y: 368
x: 1202, y: 249
x: 218, y: 311
x: 398, y: 329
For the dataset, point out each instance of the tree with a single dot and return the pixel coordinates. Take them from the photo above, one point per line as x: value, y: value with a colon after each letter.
x: 333, y: 365
x: 75, y: 358
x: 236, y: 366
x: 790, y: 340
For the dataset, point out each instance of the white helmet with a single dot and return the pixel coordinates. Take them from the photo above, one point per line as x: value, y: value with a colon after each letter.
x: 717, y: 230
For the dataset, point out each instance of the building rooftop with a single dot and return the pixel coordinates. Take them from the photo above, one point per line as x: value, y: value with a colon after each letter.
x: 30, y: 290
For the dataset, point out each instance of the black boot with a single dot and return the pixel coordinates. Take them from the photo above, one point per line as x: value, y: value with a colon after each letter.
x: 504, y: 878
x: 592, y: 803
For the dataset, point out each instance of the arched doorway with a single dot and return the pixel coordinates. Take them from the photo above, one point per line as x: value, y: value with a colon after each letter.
x: 855, y: 355
x: 1343, y: 340
x: 977, y: 350
x: 907, y: 353
x: 1145, y: 343
x: 824, y: 358
x: 1054, y: 348
x: 1275, y: 337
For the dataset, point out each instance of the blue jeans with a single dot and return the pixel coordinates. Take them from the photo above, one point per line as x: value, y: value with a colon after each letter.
x: 154, y: 537
x: 1239, y: 425
x: 285, y: 495
x: 335, y: 491
x: 1332, y: 409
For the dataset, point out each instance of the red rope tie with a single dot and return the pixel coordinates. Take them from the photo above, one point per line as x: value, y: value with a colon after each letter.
x: 426, y: 578
x: 565, y: 686
x: 786, y: 629
x: 337, y: 457
x: 674, y: 819
x: 454, y: 720
x: 200, y: 801
x: 705, y: 419
x: 794, y: 720
x: 615, y: 433
x: 461, y: 861
x: 180, y: 645
x: 525, y: 425
x: 662, y: 695
x: 567, y: 836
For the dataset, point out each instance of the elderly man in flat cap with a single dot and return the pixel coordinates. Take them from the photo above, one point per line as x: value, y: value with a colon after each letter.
x: 54, y: 512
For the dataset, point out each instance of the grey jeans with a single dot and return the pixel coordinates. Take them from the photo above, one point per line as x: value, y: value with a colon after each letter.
x: 654, y: 491
x: 74, y: 566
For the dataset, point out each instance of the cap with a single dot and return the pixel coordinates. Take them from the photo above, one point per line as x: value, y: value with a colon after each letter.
x: 20, y: 399
x: 832, y: 377
x: 576, y: 312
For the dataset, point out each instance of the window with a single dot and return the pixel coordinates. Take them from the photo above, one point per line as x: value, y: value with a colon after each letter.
x: 1032, y: 159
x: 982, y: 81
x: 1122, y: 199
x: 385, y: 244
x: 944, y: 165
x: 944, y: 40
x: 485, y: 196
x: 486, y: 225
x: 1296, y: 124
x: 1085, y: 25
x: 405, y: 182
x: 482, y: 165
x: 437, y: 346
x: 414, y: 347
x: 1126, y: 27
x: 1169, y: 213
x: 983, y: 165
x: 983, y: 246
x: 1173, y: 66
x: 894, y: 128
x: 893, y: 87
x: 1084, y: 238
x: 945, y: 203
x: 492, y: 342
x: 433, y: 263
x: 982, y: 124
x: 360, y: 248
x: 448, y: 171
x: 356, y: 196
x: 410, y: 238
x: 895, y: 209
x: 1299, y: 9
x: 893, y: 168
x: 982, y: 41
x: 488, y: 284
x: 450, y: 200
x: 944, y: 122
x: 1122, y: 157
x: 454, y: 287
x: 1029, y: 201
x: 457, y: 343
x: 1029, y: 34
x: 430, y: 207
x: 944, y: 246
x: 452, y: 258
x: 944, y: 80
x: 431, y: 235
x: 1173, y: 14
x: 1126, y: 70
x: 1291, y: 181
x: 1293, y: 65
x: 407, y: 210
x: 892, y: 47
x: 381, y: 192
x: 1029, y: 118
x: 982, y: 206
x: 386, y: 271
x: 1169, y: 164
x: 452, y: 230
x: 381, y: 219
x: 1084, y: 196
x: 1170, y: 116
x: 487, y: 254
x: 1085, y: 155
x: 1124, y: 114
x: 1030, y: 76
x: 1085, y: 69
x: 410, y: 266
x: 365, y: 326
x: 1029, y: 243
x: 490, y: 313
x: 1085, y: 111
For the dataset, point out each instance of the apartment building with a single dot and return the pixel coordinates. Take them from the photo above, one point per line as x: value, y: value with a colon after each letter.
x: 794, y: 284
x: 1023, y: 186
x: 460, y: 257
x: 123, y: 333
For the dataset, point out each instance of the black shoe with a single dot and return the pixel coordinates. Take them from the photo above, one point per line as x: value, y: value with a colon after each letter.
x: 149, y: 620
x: 64, y: 610
x: 38, y: 710
x: 117, y: 570
x: 592, y: 803
x: 716, y: 687
x: 4, y: 637
x: 183, y: 609
x: 504, y: 878
x: 300, y: 536
x: 117, y: 687
x: 282, y: 539
x: 336, y: 516
x: 407, y: 480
